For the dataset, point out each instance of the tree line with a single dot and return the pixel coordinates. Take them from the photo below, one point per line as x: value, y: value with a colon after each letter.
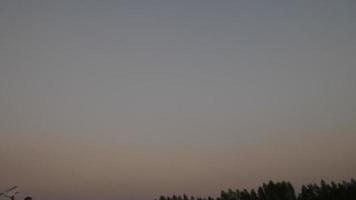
x: 345, y: 190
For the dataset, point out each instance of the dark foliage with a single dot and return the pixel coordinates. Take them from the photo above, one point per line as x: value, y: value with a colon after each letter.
x: 284, y: 191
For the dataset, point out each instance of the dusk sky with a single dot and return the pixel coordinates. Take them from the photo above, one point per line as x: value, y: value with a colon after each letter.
x: 133, y: 99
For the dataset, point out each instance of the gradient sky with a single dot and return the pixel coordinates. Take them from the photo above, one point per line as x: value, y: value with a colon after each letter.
x: 134, y: 99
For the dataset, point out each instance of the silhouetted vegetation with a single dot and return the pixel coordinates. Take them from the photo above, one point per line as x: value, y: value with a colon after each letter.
x: 284, y: 191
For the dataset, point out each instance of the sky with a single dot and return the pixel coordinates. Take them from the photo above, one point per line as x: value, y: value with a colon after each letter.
x: 134, y: 99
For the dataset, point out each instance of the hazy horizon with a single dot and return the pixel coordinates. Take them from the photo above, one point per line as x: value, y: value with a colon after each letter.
x: 134, y: 99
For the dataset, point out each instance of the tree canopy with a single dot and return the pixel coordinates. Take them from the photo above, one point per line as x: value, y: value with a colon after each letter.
x: 283, y: 191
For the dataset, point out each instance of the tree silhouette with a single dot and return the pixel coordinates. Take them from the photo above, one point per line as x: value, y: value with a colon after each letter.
x: 284, y: 191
